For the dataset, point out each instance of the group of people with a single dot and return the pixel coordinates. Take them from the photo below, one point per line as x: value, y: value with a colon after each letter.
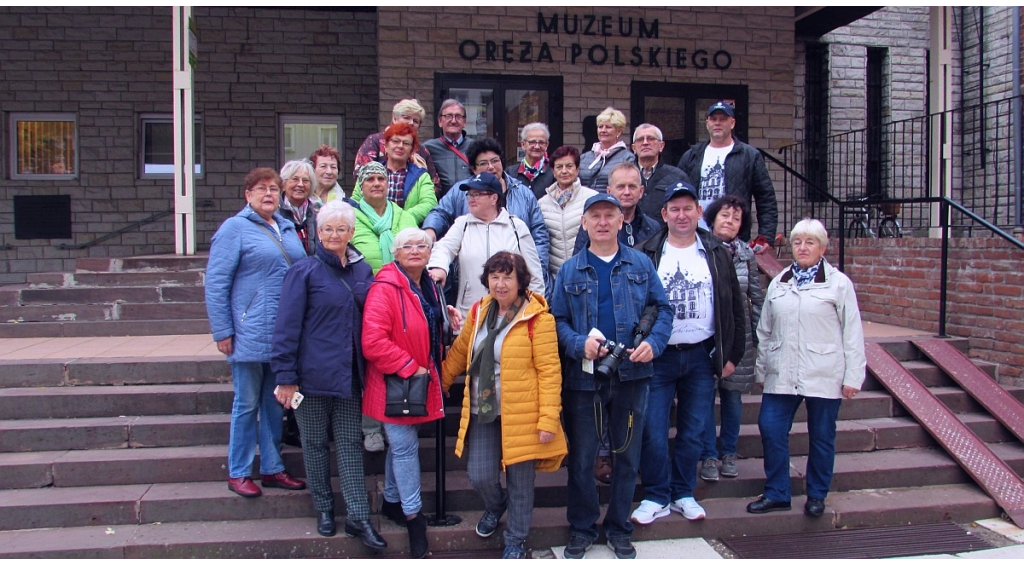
x: 572, y: 297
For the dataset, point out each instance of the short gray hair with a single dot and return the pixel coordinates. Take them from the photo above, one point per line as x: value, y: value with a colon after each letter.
x: 336, y: 210
x: 811, y: 227
x: 408, y: 235
x: 409, y: 106
x: 449, y: 103
x: 532, y: 126
x: 291, y: 167
x: 657, y: 131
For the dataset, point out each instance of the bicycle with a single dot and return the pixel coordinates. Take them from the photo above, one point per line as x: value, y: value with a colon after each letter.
x: 888, y: 220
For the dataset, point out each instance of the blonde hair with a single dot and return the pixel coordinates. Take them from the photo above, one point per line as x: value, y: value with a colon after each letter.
x: 616, y: 118
x: 409, y: 106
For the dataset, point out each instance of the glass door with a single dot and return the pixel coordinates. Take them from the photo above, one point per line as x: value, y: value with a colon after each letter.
x: 499, y: 106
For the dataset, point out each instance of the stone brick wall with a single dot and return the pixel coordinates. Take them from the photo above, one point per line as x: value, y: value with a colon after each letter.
x: 994, y: 51
x: 898, y: 282
x: 109, y: 65
x: 415, y: 42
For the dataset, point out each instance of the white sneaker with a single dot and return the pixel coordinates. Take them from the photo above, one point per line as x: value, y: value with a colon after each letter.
x: 374, y: 442
x: 689, y: 508
x: 648, y: 512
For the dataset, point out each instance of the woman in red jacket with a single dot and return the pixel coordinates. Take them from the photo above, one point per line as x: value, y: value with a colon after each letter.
x: 402, y: 324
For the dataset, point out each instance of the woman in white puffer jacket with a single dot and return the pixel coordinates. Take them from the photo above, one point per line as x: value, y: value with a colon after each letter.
x: 562, y: 206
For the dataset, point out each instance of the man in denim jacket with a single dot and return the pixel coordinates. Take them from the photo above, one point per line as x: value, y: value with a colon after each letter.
x: 606, y: 288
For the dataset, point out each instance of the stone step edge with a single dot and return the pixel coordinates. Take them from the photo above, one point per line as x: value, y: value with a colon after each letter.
x: 106, y: 328
x: 296, y: 537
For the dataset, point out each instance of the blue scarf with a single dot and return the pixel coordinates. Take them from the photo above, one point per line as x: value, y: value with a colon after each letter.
x: 804, y: 277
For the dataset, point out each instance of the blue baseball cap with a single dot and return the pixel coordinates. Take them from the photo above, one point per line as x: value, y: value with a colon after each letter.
x: 485, y: 182
x: 681, y: 189
x: 721, y: 106
x: 602, y: 197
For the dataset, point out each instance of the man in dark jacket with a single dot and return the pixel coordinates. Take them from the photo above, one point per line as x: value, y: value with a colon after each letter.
x: 535, y: 169
x: 656, y: 176
x: 449, y: 150
x: 624, y: 183
x: 706, y: 343
x: 726, y: 165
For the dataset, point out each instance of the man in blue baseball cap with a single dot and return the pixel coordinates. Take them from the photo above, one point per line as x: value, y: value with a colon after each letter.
x: 726, y: 165
x: 598, y: 296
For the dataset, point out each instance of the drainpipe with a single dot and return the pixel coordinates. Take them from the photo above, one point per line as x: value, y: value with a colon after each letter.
x: 1017, y: 165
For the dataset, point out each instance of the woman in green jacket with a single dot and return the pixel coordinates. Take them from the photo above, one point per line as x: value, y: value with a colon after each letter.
x: 377, y: 218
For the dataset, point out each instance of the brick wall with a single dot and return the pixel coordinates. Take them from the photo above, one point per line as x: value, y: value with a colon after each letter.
x: 108, y: 65
x: 415, y: 42
x: 898, y: 282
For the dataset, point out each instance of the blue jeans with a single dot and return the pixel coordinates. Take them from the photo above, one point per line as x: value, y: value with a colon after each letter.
x: 775, y: 423
x: 402, y: 467
x: 688, y: 375
x: 254, y: 400
x: 619, y: 401
x: 731, y: 407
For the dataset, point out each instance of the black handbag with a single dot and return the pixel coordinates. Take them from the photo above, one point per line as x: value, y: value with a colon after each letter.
x: 406, y: 397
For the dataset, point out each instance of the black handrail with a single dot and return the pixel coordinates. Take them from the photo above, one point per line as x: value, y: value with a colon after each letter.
x: 112, y: 234
x: 790, y: 170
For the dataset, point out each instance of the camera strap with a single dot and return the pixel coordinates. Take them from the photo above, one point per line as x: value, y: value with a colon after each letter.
x: 599, y: 426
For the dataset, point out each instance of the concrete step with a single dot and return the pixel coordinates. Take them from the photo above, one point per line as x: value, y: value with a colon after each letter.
x: 144, y: 263
x: 65, y: 312
x: 296, y: 537
x: 108, y: 279
x: 34, y: 435
x: 110, y: 294
x: 57, y: 313
x: 100, y: 371
x: 163, y: 311
x: 110, y: 328
x: 112, y: 401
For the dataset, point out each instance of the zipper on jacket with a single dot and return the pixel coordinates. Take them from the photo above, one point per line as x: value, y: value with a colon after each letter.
x: 248, y: 305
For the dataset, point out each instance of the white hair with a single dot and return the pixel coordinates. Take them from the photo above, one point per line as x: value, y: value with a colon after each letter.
x: 532, y: 126
x: 410, y: 106
x: 409, y: 235
x: 291, y: 167
x: 657, y: 131
x: 811, y: 227
x: 336, y: 210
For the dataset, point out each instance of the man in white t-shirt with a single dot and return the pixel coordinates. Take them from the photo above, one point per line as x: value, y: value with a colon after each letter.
x: 707, y: 340
x: 725, y: 165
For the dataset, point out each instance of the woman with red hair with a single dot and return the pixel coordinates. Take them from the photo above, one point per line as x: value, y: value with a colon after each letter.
x: 409, y: 185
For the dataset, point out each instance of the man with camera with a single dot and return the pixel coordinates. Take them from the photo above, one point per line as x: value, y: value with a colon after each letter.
x: 706, y: 342
x: 602, y: 302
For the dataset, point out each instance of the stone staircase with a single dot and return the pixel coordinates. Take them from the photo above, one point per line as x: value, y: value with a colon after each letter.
x: 109, y: 297
x: 126, y: 457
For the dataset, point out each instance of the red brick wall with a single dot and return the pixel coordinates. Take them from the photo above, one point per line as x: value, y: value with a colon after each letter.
x: 898, y: 282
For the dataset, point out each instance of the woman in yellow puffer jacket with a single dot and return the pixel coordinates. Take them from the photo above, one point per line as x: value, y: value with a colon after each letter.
x: 510, y: 413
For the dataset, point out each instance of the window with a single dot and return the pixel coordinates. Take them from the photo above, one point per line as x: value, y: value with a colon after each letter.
x: 301, y: 135
x: 156, y: 149
x: 500, y: 105
x: 44, y: 146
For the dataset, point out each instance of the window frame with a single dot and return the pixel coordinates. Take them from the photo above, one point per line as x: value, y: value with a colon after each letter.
x: 310, y: 119
x: 15, y: 117
x: 168, y: 118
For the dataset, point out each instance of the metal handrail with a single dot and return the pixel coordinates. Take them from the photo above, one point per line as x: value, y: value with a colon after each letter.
x: 112, y: 234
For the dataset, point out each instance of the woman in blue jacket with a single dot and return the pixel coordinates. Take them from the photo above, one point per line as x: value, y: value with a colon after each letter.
x: 249, y: 255
x: 316, y: 352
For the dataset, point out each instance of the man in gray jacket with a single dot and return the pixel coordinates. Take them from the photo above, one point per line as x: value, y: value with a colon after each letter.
x: 449, y: 150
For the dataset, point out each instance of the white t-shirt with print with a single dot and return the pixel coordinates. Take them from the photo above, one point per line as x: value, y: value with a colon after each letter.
x: 712, y: 174
x: 687, y: 280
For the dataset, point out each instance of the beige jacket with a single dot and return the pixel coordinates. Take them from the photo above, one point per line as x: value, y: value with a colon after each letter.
x: 811, y: 342
x: 563, y: 224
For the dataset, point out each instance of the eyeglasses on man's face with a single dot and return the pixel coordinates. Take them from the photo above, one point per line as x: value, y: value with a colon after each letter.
x: 453, y: 117
x: 536, y: 143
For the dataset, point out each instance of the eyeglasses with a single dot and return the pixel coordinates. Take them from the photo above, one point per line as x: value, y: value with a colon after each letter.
x: 299, y: 180
x: 453, y: 117
x: 537, y: 143
x: 475, y: 194
x: 646, y: 139
x: 629, y: 235
x: 493, y: 162
x: 420, y: 247
x: 266, y: 189
x: 399, y: 142
x: 329, y: 231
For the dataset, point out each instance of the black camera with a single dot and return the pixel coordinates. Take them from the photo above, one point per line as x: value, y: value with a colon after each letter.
x: 609, y: 365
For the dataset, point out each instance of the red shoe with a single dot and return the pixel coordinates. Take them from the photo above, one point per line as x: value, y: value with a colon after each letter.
x: 281, y: 480
x: 244, y: 487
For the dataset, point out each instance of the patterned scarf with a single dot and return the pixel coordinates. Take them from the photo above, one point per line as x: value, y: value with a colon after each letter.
x: 804, y: 277
x: 482, y: 366
x: 600, y: 155
x: 532, y: 172
x: 561, y: 196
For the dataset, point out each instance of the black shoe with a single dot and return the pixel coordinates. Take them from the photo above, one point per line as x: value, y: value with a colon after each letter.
x: 488, y: 523
x: 325, y: 524
x: 765, y: 505
x: 814, y: 507
x: 577, y: 547
x: 417, y: 527
x: 364, y: 530
x: 393, y: 511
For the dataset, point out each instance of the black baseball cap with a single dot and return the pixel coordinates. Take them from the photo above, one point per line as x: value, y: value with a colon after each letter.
x: 601, y: 197
x: 485, y: 182
x: 681, y: 189
x: 721, y: 106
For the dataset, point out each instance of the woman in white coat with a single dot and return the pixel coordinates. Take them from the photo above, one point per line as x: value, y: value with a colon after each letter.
x: 810, y: 350
x: 475, y: 237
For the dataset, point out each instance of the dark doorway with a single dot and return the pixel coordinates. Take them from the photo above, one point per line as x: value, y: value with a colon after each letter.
x: 680, y: 110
